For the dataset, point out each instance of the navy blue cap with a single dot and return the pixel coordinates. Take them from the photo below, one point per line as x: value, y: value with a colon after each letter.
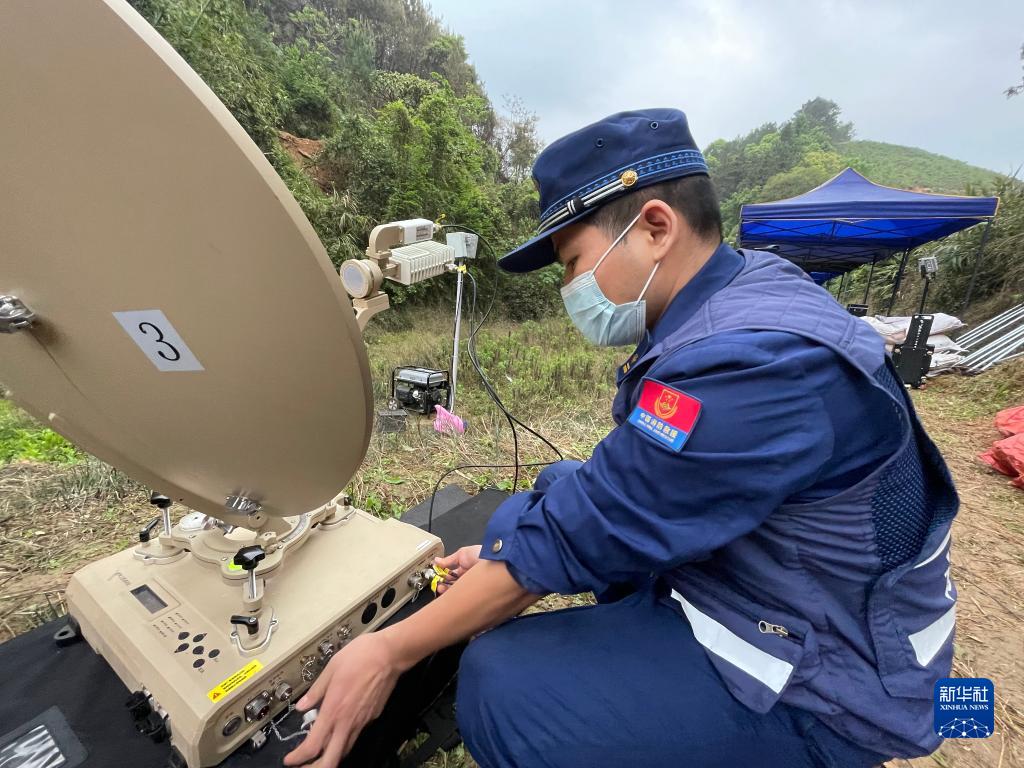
x: 605, y: 160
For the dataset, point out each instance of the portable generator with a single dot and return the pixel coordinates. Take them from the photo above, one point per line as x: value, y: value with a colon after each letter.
x: 420, y: 389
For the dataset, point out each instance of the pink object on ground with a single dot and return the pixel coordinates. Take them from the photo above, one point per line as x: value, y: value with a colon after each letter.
x: 448, y: 422
x: 1007, y: 455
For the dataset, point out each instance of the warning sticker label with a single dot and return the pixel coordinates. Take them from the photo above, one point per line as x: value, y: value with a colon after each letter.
x: 229, y: 684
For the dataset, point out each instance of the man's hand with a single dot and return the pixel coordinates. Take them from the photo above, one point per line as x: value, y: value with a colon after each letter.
x: 355, y: 685
x: 457, y: 563
x: 351, y: 691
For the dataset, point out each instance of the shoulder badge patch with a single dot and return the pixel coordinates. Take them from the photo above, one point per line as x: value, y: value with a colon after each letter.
x: 665, y: 414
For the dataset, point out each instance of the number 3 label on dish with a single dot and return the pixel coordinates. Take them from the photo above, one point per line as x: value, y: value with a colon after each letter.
x: 153, y: 332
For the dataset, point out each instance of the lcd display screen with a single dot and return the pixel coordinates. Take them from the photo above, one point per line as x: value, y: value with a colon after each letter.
x: 149, y: 598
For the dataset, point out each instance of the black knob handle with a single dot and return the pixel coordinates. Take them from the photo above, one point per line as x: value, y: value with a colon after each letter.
x: 154, y: 726
x: 147, y: 533
x: 251, y: 623
x: 249, y: 557
x: 138, y: 705
x: 159, y: 500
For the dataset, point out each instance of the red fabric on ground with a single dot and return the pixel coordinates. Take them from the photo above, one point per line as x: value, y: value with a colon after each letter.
x: 1010, y: 421
x: 1007, y: 455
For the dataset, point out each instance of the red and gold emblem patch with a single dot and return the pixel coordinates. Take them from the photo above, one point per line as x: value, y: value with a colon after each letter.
x: 667, y: 404
x: 665, y: 414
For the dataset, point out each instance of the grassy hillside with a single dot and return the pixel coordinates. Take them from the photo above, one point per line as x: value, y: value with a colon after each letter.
x: 777, y: 161
x: 913, y: 168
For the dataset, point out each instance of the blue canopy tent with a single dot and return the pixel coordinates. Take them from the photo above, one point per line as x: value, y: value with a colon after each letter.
x: 850, y: 221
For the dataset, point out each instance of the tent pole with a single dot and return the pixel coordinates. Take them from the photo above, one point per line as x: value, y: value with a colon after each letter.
x: 977, y: 263
x: 899, y: 279
x: 842, y: 284
x: 871, y: 274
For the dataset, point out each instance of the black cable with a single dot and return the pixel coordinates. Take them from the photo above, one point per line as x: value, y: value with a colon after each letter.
x: 473, y: 332
x: 489, y: 388
x: 471, y: 351
x: 494, y: 395
x: 430, y: 512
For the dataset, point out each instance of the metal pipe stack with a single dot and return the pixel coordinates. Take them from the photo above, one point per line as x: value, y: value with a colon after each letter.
x: 996, y: 340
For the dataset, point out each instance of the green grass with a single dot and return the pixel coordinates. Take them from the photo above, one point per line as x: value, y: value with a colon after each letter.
x: 23, y: 439
x: 545, y: 373
x: 980, y: 397
x: 59, y: 516
x: 909, y: 167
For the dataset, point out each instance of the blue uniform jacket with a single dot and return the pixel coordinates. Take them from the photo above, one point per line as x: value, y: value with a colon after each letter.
x: 772, y: 405
x: 769, y: 471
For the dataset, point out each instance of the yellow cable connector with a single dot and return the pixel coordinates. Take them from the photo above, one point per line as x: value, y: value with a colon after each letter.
x: 461, y: 268
x: 439, y: 575
x: 439, y: 219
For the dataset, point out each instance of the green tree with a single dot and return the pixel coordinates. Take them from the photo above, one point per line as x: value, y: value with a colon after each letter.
x: 407, y: 128
x: 233, y: 53
x: 1016, y: 90
x: 517, y: 140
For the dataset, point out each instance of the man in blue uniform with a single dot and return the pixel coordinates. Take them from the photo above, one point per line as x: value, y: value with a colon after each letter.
x: 767, y: 528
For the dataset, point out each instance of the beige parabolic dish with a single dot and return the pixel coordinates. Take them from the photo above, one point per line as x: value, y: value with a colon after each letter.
x: 126, y: 186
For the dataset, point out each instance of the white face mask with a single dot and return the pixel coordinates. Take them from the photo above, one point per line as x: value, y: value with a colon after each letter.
x: 600, y: 320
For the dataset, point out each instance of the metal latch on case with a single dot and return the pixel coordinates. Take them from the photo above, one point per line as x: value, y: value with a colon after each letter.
x: 14, y: 315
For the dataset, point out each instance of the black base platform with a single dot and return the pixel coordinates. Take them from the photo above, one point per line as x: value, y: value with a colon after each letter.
x: 38, y: 676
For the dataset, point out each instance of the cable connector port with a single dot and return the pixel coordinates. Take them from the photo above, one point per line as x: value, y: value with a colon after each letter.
x: 419, y: 579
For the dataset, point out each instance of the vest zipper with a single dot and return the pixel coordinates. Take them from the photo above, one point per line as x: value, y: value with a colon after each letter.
x: 767, y: 628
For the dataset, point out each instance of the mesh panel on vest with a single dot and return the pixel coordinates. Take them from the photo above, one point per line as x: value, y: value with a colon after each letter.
x: 905, y: 508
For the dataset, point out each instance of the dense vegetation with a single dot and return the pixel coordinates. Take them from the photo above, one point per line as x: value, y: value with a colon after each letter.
x: 407, y: 129
x: 774, y: 161
x: 913, y: 168
x: 779, y: 161
x: 404, y: 128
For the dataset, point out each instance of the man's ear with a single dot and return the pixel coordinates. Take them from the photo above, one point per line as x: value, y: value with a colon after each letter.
x: 660, y: 226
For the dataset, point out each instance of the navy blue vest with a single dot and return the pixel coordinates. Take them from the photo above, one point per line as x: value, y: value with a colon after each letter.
x: 842, y: 607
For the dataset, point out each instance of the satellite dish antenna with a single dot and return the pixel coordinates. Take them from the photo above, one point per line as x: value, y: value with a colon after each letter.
x: 165, y: 304
x: 174, y: 312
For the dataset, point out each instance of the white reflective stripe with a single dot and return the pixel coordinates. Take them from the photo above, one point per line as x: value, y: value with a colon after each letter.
x: 725, y: 644
x: 929, y: 641
x: 938, y: 551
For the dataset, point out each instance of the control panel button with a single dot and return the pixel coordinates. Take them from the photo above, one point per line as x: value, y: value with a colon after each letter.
x: 214, y: 653
x: 198, y: 663
x: 182, y: 647
x: 182, y: 635
x: 232, y: 725
x: 198, y: 650
x: 199, y: 638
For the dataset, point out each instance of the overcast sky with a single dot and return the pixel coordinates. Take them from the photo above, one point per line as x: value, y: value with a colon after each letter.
x: 926, y: 73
